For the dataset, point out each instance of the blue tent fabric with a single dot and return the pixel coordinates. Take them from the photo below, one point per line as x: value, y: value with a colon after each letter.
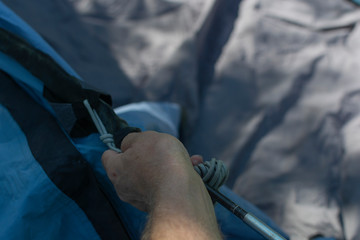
x: 32, y: 206
x: 157, y: 116
x: 61, y: 162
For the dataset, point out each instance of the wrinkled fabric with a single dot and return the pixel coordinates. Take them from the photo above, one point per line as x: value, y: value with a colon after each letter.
x: 270, y: 87
x: 155, y: 116
x: 29, y: 198
x: 34, y: 207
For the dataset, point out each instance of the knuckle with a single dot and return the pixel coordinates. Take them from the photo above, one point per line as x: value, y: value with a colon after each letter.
x: 105, y: 156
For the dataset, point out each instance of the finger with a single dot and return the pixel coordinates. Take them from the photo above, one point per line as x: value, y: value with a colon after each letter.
x: 128, y: 140
x: 196, y: 159
x: 110, y: 160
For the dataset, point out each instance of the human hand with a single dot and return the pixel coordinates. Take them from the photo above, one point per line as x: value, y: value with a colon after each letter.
x: 150, y: 163
x: 155, y: 174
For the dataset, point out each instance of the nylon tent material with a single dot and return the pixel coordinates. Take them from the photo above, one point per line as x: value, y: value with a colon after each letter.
x: 53, y: 183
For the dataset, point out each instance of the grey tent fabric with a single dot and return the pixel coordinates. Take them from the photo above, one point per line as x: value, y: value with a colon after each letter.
x: 270, y: 87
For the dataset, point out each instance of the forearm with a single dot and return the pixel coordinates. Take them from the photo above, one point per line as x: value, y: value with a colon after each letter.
x: 183, y: 211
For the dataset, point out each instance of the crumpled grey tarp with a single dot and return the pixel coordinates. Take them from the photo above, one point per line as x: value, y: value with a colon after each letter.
x: 270, y: 87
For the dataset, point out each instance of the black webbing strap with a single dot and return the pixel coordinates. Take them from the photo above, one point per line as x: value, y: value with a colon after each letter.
x: 60, y: 87
x: 60, y: 160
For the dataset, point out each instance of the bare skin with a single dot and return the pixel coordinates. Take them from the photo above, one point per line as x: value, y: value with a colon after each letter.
x: 155, y: 173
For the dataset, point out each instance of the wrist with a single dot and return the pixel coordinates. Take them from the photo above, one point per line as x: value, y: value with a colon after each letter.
x: 174, y: 187
x: 183, y: 211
